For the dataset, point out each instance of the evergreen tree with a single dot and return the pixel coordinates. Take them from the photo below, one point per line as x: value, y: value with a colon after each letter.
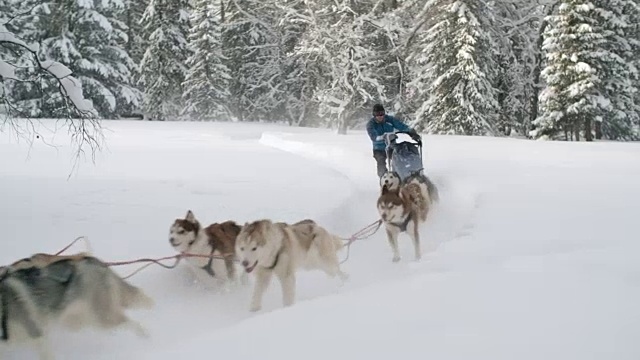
x: 455, y: 86
x: 515, y: 36
x: 632, y: 10
x: 617, y: 65
x: 587, y: 73
x: 207, y: 81
x: 296, y: 103
x: 253, y: 55
x: 104, y: 66
x: 166, y: 26
x: 135, y: 45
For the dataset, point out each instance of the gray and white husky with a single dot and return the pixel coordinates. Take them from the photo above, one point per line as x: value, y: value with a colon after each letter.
x: 74, y: 291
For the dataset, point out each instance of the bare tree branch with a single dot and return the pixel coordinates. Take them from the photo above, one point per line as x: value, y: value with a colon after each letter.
x: 80, y: 116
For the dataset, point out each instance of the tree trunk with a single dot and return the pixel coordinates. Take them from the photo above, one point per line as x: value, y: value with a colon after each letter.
x: 588, y: 134
x: 537, y: 70
x: 342, y: 125
x: 598, y: 128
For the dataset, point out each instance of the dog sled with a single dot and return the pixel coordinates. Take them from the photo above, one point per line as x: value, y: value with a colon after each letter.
x: 404, y: 158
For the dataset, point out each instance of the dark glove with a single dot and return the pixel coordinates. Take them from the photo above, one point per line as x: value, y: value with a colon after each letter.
x: 414, y: 135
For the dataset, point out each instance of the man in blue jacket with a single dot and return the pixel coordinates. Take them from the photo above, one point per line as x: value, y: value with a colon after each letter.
x: 379, y: 124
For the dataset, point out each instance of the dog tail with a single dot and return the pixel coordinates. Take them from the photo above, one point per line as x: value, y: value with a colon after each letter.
x: 433, y: 191
x: 338, y: 243
x: 413, y: 193
x: 133, y: 297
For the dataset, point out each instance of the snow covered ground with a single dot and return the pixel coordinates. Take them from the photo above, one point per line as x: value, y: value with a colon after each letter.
x: 534, y: 244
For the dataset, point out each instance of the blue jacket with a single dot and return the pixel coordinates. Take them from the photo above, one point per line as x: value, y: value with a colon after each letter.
x: 375, y: 129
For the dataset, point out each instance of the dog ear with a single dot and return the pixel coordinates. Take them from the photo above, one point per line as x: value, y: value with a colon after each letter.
x: 190, y: 217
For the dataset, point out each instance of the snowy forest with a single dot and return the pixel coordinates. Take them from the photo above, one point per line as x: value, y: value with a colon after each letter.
x: 540, y: 69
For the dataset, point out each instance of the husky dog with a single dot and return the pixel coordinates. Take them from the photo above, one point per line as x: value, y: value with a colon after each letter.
x: 393, y: 182
x: 218, y: 239
x: 404, y: 209
x: 391, y: 179
x: 75, y: 291
x: 284, y: 249
x: 427, y: 187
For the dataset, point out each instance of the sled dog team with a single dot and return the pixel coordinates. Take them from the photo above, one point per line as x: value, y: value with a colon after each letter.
x: 79, y: 290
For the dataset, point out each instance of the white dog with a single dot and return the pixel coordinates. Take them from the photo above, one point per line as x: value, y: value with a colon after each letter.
x: 267, y: 248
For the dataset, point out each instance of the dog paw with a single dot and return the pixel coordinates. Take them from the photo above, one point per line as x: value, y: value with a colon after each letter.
x: 255, y: 308
x: 395, y: 259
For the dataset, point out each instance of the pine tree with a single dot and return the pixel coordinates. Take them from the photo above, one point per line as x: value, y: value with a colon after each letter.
x: 207, y: 81
x: 515, y: 37
x: 252, y: 51
x: 586, y: 73
x: 166, y: 27
x: 135, y: 45
x: 297, y: 83
x: 632, y: 9
x: 617, y: 65
x: 453, y: 88
x: 546, y: 9
x: 104, y: 66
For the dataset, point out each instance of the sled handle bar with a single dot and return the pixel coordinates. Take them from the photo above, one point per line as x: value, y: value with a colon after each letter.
x: 419, y: 140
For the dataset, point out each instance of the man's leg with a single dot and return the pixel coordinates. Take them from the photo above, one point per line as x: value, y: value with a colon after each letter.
x: 381, y: 160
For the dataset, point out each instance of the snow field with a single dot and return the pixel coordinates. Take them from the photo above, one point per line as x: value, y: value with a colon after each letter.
x: 532, y: 244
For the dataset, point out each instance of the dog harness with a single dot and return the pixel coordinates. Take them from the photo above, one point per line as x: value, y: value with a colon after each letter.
x: 402, y: 226
x: 275, y: 261
x: 4, y: 327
